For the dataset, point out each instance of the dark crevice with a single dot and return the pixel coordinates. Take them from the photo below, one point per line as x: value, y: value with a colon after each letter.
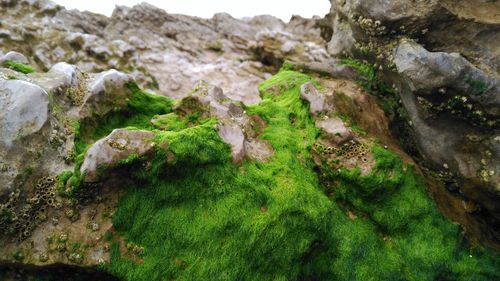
x: 20, y: 272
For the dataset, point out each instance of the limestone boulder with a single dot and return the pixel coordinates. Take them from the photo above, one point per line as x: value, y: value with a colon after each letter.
x: 13, y: 56
x: 318, y: 102
x: 233, y: 135
x: 106, y: 91
x: 24, y: 110
x: 108, y: 152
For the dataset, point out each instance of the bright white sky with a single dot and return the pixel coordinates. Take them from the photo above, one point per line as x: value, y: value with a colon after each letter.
x: 283, y: 9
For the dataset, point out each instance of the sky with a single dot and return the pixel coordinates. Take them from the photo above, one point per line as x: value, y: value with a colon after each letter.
x: 283, y: 9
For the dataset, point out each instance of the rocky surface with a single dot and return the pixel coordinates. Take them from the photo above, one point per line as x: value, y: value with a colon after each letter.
x: 163, y: 52
x: 78, y: 132
x: 442, y: 57
x: 235, y: 127
x: 107, y: 153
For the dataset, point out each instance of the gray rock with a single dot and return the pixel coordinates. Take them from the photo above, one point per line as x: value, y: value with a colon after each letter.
x: 14, y: 56
x: 24, y: 109
x: 342, y: 41
x: 335, y: 130
x: 117, y: 146
x: 427, y: 72
x: 67, y: 71
x: 258, y: 150
x: 318, y: 102
x: 106, y: 91
x: 233, y: 135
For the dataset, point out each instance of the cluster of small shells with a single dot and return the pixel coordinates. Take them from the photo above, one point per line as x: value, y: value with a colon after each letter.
x: 61, y: 243
x: 25, y: 219
x: 116, y: 144
x: 377, y: 43
x: 460, y: 106
x: 351, y: 149
x: 484, y: 173
x: 57, y: 137
x: 382, y: 52
x: 369, y: 26
x: 76, y: 94
x: 134, y: 249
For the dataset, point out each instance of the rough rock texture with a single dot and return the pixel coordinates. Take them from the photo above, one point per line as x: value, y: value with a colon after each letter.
x: 448, y: 85
x: 13, y: 56
x: 317, y: 102
x: 443, y: 59
x: 425, y: 71
x: 106, y: 91
x: 117, y: 146
x: 164, y: 52
x: 39, y: 116
x: 235, y: 127
x: 24, y: 110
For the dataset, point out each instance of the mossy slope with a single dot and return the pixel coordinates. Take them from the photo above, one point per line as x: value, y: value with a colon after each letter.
x: 199, y: 217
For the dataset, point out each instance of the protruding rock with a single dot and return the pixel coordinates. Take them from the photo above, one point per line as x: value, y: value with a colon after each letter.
x: 24, y: 109
x: 336, y: 130
x: 258, y: 150
x: 14, y: 56
x: 233, y: 135
x: 68, y: 71
x: 318, y: 102
x: 106, y: 91
x: 426, y: 72
x: 117, y: 146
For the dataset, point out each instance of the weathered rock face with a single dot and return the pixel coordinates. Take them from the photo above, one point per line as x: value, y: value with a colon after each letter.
x: 117, y: 146
x: 235, y: 127
x: 106, y: 90
x: 39, y: 116
x: 164, y: 52
x: 24, y: 110
x: 443, y: 58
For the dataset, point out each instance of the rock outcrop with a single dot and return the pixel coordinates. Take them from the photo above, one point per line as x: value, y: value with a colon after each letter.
x: 107, y: 153
x: 163, y: 52
x: 293, y: 176
x: 442, y: 59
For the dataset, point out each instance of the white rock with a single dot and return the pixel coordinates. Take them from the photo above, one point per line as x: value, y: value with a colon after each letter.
x: 24, y: 109
x: 69, y: 72
x: 233, y: 135
x: 109, y: 151
x: 106, y: 91
x: 14, y: 56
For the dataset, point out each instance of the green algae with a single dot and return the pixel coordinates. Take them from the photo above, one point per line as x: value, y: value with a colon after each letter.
x: 140, y: 109
x: 19, y: 67
x: 199, y: 217
x: 138, y: 112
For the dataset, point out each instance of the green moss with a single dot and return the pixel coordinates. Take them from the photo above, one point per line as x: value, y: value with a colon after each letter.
x: 215, y: 46
x: 62, y: 179
x: 364, y: 69
x: 388, y: 100
x: 19, y: 67
x: 18, y: 256
x: 28, y: 171
x: 478, y: 87
x: 138, y: 112
x: 200, y: 217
